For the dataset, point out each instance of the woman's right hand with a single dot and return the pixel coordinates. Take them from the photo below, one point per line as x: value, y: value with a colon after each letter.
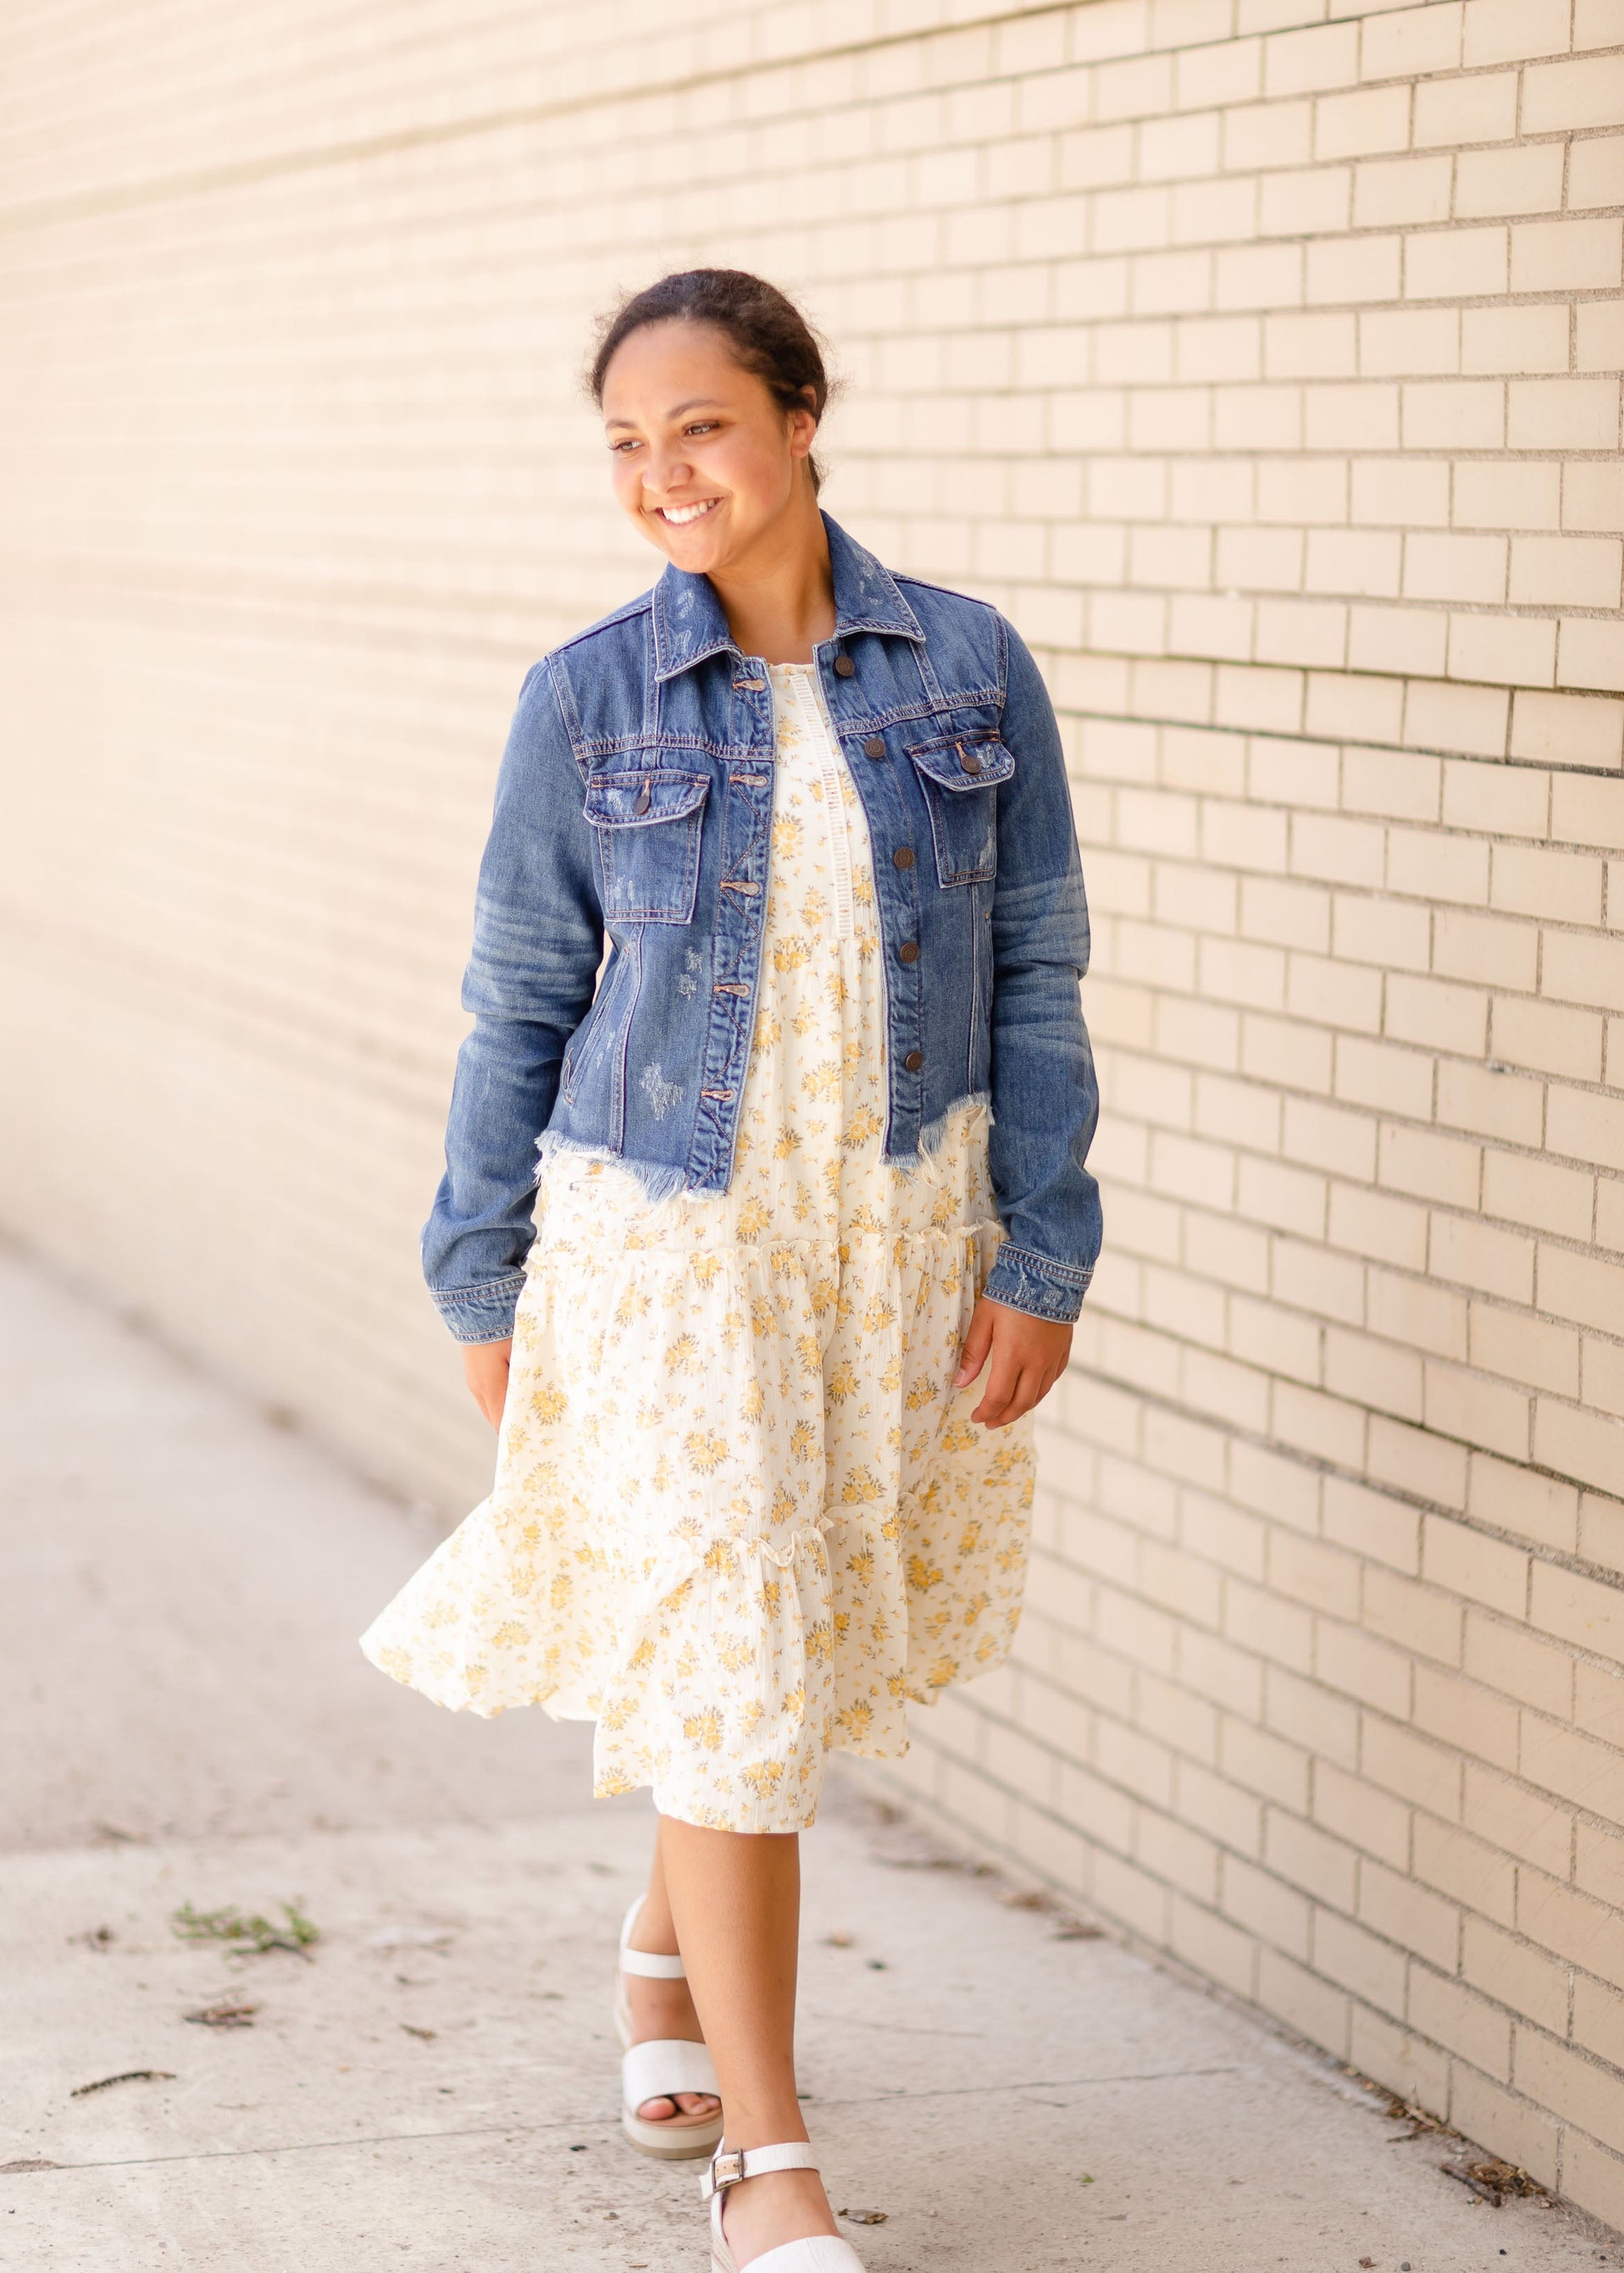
x: 484, y: 1366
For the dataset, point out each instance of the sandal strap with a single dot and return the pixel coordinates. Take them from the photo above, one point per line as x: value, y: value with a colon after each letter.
x: 729, y: 2165
x: 660, y: 2067
x: 649, y: 1964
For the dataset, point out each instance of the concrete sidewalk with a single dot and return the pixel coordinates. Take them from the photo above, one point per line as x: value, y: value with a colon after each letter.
x: 434, y: 2083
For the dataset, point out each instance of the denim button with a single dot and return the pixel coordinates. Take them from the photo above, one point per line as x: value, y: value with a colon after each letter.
x: 903, y: 857
x: 873, y: 748
x: 908, y: 952
x: 968, y: 760
x: 845, y: 668
x: 913, y: 1061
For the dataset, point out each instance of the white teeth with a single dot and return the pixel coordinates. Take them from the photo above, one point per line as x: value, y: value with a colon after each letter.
x: 681, y: 514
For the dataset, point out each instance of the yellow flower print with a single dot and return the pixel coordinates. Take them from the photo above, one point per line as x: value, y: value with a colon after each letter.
x: 704, y: 1449
x: 716, y: 1379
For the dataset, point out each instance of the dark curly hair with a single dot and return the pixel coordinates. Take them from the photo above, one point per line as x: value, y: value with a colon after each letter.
x: 766, y: 331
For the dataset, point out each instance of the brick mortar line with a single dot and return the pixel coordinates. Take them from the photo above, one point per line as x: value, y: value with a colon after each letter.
x: 1261, y: 1372
x: 1262, y: 1940
x: 297, y: 599
x: 1318, y: 1464
x: 1166, y: 1957
x: 1223, y: 1847
x: 203, y: 180
x: 1328, y: 742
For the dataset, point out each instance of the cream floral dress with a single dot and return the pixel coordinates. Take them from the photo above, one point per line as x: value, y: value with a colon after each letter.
x: 740, y: 1514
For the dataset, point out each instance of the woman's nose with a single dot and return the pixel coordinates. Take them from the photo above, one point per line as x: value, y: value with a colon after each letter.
x: 662, y: 472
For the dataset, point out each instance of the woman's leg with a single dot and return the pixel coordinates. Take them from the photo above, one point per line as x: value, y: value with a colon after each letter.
x: 735, y: 1897
x: 663, y: 2008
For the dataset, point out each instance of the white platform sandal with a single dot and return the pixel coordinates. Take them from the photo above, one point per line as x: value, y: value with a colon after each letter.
x: 660, y: 2066
x: 815, y: 2253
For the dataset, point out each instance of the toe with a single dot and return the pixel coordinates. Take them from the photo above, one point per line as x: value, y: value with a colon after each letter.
x: 698, y: 2103
x: 658, y: 2111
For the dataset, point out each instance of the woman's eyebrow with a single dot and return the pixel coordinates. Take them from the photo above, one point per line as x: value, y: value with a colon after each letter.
x: 696, y: 402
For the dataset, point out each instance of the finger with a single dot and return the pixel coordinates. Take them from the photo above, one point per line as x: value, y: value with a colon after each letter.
x: 1024, y: 1392
x: 1002, y: 1376
x: 977, y: 1342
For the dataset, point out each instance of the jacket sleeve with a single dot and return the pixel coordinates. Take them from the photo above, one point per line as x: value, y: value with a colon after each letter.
x: 538, y: 939
x: 1045, y: 1102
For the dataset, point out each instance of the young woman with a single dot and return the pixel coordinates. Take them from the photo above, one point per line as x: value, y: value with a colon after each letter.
x: 764, y: 1331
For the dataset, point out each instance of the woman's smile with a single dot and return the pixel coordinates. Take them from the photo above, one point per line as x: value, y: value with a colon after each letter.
x: 680, y: 516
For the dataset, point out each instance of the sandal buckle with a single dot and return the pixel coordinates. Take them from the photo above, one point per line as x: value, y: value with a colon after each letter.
x: 726, y: 2169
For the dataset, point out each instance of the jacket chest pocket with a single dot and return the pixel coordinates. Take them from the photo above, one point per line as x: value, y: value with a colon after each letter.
x: 960, y: 776
x: 648, y: 826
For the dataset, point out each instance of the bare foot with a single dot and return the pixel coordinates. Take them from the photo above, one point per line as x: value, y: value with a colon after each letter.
x: 761, y: 2214
x: 665, y: 2008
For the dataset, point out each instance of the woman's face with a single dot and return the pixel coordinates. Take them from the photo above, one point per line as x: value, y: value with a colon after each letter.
x: 705, y: 461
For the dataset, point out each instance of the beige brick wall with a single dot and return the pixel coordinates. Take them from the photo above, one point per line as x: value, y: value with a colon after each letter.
x: 1262, y: 358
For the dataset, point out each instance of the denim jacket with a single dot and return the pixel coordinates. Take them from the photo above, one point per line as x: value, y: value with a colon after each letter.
x: 634, y: 800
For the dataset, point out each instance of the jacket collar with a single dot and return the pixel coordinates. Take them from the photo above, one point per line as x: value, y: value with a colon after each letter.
x: 690, y: 622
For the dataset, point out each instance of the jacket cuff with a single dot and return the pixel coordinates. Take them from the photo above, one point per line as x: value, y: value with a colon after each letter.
x: 1024, y: 1281
x: 484, y: 1313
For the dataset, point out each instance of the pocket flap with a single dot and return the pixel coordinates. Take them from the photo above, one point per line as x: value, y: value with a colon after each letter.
x: 978, y: 761
x: 638, y: 801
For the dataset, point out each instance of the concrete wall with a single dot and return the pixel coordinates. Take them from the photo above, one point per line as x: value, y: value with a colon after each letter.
x: 1261, y: 357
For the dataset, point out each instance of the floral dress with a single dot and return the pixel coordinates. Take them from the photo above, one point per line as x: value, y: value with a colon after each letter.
x: 741, y: 1515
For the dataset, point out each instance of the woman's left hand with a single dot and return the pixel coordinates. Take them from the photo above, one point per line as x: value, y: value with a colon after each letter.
x: 1028, y: 1357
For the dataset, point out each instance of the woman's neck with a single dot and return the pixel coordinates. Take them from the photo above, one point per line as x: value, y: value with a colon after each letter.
x: 779, y: 598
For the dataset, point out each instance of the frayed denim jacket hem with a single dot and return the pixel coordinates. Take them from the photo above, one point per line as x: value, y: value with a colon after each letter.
x: 634, y: 806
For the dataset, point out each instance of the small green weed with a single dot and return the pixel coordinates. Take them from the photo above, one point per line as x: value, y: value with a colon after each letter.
x: 246, y: 1936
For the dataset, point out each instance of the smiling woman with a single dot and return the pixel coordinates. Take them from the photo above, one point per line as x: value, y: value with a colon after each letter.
x: 812, y: 1166
x: 712, y: 384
